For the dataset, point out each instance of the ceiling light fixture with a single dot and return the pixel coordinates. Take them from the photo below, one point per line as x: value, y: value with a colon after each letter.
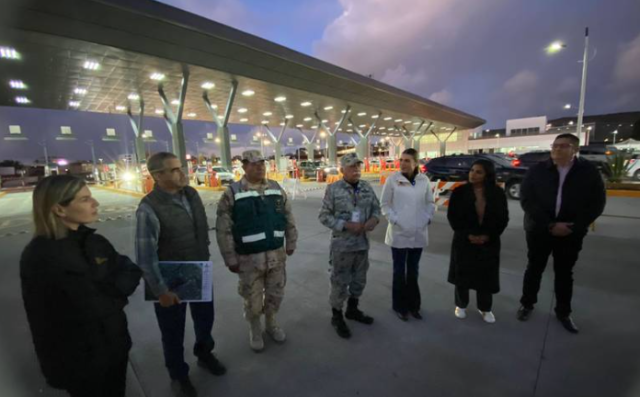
x: 80, y: 91
x: 157, y: 76
x: 248, y: 93
x: 91, y: 65
x: 9, y: 53
x: 242, y: 110
x: 207, y: 85
x: 267, y: 114
x: 362, y: 114
x: 288, y: 117
x: 305, y: 104
x: 121, y: 108
x: 74, y: 104
x: 280, y: 99
x: 244, y: 120
x: 133, y: 97
x: 328, y: 107
x: 17, y: 84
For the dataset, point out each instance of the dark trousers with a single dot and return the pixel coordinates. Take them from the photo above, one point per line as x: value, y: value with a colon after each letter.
x: 171, y: 321
x: 565, y: 255
x: 110, y: 384
x: 484, y: 299
x: 406, y: 292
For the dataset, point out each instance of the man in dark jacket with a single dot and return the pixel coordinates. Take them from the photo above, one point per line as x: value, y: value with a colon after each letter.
x: 561, y: 197
x: 172, y: 226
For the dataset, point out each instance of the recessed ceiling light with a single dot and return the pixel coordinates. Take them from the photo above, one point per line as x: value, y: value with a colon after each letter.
x: 74, y: 104
x: 175, y: 102
x: 362, y: 114
x: 337, y: 123
x: 267, y: 114
x: 282, y: 124
x: 398, y: 120
x: 157, y: 76
x: 375, y: 116
x: 349, y: 130
x: 248, y: 92
x: 328, y: 107
x: 314, y: 127
x: 80, y: 91
x: 207, y: 85
x: 192, y: 114
x: 280, y: 99
x: 416, y: 123
x: 387, y: 118
x: 362, y: 125
x: 91, y: 65
x: 325, y: 121
x: 159, y: 111
x: 242, y: 110
x: 307, y: 119
x: 408, y: 122
x: 9, y: 53
x: 265, y: 121
x: 288, y: 117
x: 133, y: 97
x: 244, y: 120
x: 17, y: 84
x: 121, y: 108
x: 299, y: 125
x: 305, y: 104
x: 382, y: 128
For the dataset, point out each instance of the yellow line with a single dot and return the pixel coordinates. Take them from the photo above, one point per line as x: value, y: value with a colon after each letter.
x: 623, y: 193
x: 3, y: 194
x: 120, y: 191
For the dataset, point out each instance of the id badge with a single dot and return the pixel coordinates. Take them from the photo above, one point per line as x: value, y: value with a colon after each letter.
x: 355, y: 216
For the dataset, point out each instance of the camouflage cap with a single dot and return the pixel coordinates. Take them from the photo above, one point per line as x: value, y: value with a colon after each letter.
x: 349, y: 159
x: 252, y: 156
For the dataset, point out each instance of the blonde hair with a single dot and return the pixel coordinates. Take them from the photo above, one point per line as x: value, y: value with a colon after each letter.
x: 51, y: 191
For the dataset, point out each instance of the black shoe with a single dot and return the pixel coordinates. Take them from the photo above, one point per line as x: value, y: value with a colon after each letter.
x: 416, y: 314
x: 338, y: 323
x: 402, y: 316
x: 353, y: 313
x: 524, y: 313
x: 212, y: 364
x: 568, y: 324
x: 184, y: 388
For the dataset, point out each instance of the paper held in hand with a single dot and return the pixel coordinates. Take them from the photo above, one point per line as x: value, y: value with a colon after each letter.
x: 191, y: 281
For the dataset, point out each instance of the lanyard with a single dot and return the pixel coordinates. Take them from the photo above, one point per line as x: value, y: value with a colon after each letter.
x: 356, y: 191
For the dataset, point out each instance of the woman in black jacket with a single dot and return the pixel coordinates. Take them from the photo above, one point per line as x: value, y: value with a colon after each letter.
x: 75, y: 287
x: 478, y: 214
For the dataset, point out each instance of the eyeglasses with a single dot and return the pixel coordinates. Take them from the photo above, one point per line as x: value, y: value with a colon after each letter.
x: 561, y: 145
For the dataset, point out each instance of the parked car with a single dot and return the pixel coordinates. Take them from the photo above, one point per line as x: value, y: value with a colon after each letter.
x: 223, y: 175
x: 634, y: 167
x: 512, y: 159
x: 456, y: 168
x: 598, y: 153
x: 532, y: 158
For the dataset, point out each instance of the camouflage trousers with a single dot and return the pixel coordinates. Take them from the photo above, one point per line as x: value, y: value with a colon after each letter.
x: 261, y: 285
x: 348, y: 276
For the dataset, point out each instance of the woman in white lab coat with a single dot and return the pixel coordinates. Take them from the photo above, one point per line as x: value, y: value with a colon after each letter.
x: 407, y: 203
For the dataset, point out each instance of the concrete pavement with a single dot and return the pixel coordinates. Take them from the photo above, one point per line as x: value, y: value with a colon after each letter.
x: 439, y: 356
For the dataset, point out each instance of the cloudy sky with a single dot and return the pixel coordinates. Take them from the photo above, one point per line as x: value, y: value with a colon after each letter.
x: 485, y: 57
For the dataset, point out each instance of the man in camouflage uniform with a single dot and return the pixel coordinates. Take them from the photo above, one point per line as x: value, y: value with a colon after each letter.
x: 254, y: 220
x: 351, y: 209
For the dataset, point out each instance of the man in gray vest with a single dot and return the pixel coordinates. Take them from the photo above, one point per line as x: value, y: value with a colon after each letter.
x: 256, y: 231
x: 172, y: 226
x: 350, y: 209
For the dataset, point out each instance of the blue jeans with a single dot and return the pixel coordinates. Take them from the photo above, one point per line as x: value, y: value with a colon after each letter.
x: 406, y: 292
x: 171, y: 321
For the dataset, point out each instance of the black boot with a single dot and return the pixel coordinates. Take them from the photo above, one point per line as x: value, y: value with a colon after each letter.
x: 338, y: 323
x: 353, y: 313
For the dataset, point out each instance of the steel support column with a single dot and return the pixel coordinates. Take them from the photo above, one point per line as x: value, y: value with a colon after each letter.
x: 419, y: 135
x: 138, y: 142
x: 332, y: 147
x: 174, y: 120
x: 309, y: 144
x: 277, y: 143
x: 223, y: 125
x: 363, y: 147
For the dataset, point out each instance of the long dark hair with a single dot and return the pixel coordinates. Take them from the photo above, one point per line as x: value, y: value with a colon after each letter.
x: 489, y: 173
x: 413, y: 153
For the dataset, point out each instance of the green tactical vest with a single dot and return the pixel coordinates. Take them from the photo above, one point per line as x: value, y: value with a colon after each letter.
x: 259, y: 222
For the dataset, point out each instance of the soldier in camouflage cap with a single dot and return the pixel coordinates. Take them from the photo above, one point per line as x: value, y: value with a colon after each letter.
x: 256, y: 232
x: 350, y: 209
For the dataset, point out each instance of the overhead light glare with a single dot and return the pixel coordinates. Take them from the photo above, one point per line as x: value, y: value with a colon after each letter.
x: 280, y: 99
x: 91, y: 65
x: 207, y: 85
x: 9, y: 53
x: 17, y: 84
x: 157, y: 76
x: 248, y: 93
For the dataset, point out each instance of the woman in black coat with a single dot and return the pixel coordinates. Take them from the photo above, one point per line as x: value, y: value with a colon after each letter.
x: 75, y: 287
x: 478, y: 214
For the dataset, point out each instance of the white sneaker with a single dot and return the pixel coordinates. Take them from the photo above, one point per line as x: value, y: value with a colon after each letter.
x: 460, y: 312
x: 488, y: 317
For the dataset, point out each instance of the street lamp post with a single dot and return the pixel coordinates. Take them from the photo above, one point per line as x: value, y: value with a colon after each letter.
x: 46, y: 158
x: 498, y: 143
x: 93, y: 158
x: 615, y: 133
x: 583, y: 86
